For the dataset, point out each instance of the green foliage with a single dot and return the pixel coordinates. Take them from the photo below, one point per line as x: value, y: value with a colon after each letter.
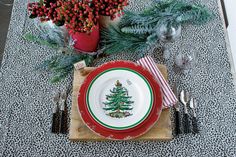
x: 165, y: 12
x: 114, y: 41
x: 36, y: 39
x: 138, y: 31
x: 62, y: 65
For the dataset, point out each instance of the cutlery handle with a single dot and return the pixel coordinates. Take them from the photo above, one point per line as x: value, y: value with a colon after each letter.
x: 186, y: 124
x: 177, y: 123
x: 195, y: 127
x: 63, y: 122
x: 55, y: 123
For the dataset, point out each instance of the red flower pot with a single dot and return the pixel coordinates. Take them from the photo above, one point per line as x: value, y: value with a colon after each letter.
x: 86, y: 42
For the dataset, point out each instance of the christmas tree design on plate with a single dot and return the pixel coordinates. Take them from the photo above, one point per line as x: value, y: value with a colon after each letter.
x: 118, y: 103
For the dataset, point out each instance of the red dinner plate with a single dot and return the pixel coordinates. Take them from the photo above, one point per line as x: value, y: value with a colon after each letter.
x: 129, y: 133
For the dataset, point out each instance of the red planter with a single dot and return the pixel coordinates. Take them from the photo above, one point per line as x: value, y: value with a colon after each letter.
x: 87, y: 42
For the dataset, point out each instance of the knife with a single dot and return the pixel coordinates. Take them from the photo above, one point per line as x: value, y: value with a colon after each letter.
x: 177, y: 112
x: 193, y: 105
x: 63, y: 113
x: 184, y: 97
x: 55, y: 116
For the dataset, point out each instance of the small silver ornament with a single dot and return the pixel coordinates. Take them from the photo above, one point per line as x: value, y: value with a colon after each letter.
x: 168, y: 33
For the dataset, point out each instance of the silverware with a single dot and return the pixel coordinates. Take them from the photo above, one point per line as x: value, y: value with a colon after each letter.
x: 63, y: 113
x: 193, y: 106
x: 177, y: 112
x: 55, y: 116
x: 184, y: 98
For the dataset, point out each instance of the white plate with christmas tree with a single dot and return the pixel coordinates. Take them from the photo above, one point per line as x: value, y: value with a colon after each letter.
x: 120, y: 97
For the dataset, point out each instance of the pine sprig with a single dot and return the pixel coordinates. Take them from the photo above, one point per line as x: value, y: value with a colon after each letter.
x: 195, y: 14
x: 40, y: 41
x: 165, y: 12
x: 115, y: 41
x: 138, y: 31
x: 62, y: 65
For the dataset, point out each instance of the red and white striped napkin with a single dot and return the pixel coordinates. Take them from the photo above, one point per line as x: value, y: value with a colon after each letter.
x: 169, y: 97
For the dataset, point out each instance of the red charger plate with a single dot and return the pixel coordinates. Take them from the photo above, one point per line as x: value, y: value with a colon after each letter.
x: 126, y: 134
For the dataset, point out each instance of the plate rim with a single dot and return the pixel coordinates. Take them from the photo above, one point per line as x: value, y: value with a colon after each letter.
x: 136, y: 123
x: 131, y: 133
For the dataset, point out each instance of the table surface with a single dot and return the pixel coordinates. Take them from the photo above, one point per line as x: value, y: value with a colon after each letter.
x: 26, y: 105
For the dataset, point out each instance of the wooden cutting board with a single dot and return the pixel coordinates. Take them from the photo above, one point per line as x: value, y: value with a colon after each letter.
x: 78, y: 131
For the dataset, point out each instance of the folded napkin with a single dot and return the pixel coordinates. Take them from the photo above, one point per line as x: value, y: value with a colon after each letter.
x: 169, y: 98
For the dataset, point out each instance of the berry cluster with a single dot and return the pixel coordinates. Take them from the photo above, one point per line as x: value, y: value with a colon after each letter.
x: 110, y: 7
x: 46, y: 11
x: 79, y: 16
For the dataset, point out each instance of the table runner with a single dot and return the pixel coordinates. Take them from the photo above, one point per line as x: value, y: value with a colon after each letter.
x: 26, y: 106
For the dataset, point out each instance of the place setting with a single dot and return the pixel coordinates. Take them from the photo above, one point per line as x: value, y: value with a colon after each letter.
x: 123, y: 100
x: 119, y: 99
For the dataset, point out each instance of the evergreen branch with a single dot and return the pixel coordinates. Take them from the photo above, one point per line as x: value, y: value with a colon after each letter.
x: 137, y: 29
x: 115, y: 41
x: 130, y: 18
x: 165, y: 11
x: 36, y: 39
x: 62, y: 65
x: 196, y: 15
x: 151, y: 39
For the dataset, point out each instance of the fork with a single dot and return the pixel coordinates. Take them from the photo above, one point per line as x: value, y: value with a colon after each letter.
x: 184, y: 98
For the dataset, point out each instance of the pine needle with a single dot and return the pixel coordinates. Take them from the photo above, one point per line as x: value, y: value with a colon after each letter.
x: 138, y: 31
x: 36, y: 39
x: 115, y: 41
x: 63, y: 64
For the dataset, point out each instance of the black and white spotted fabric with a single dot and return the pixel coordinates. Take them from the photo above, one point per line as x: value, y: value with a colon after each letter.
x: 26, y: 105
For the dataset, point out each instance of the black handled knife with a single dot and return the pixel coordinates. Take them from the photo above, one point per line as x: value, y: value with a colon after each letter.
x: 63, y: 113
x: 55, y: 116
x: 193, y: 106
x: 177, y: 112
